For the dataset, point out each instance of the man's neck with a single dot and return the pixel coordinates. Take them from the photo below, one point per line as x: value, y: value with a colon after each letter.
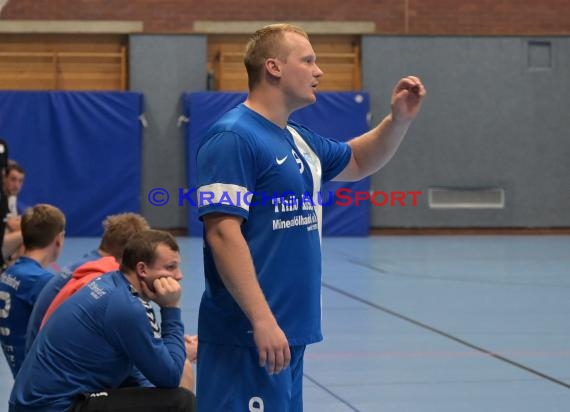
x: 103, y: 253
x: 269, y: 106
x: 134, y: 281
x: 42, y: 256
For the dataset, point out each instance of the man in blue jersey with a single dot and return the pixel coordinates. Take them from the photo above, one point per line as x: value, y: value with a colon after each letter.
x: 95, y: 339
x: 259, y: 177
x: 43, y: 232
x: 117, y: 230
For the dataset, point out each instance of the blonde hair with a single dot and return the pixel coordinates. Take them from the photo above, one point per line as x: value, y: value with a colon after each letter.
x: 118, y: 229
x: 264, y: 44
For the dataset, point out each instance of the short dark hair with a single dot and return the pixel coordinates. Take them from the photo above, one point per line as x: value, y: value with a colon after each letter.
x: 40, y: 225
x: 13, y: 165
x: 141, y: 247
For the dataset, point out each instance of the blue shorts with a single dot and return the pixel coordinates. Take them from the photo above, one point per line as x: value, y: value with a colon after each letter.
x: 229, y: 379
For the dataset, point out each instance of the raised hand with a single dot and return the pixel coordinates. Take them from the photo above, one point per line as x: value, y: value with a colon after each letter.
x: 407, y: 98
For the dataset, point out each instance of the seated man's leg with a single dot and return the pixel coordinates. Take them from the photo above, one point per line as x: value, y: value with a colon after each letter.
x: 137, y: 399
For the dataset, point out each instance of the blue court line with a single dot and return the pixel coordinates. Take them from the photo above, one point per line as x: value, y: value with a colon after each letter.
x: 446, y: 335
x: 334, y: 395
x: 451, y: 279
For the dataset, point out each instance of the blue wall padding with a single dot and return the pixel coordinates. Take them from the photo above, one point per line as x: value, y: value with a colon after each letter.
x: 81, y: 152
x: 340, y: 116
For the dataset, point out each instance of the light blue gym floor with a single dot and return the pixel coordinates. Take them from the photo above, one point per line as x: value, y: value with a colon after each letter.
x: 426, y: 323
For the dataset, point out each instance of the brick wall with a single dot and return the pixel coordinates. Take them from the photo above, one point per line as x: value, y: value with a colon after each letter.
x: 429, y: 17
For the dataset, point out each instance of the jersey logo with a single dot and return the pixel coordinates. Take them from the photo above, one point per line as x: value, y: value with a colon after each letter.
x: 256, y: 404
x: 98, y: 394
x: 151, y: 318
x: 299, y: 161
x: 281, y: 161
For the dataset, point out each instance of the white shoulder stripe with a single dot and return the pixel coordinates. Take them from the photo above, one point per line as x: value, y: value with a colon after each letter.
x: 224, y: 194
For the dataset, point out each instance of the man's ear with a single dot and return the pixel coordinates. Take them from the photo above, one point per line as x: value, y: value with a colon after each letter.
x: 59, y: 239
x: 140, y: 268
x: 273, y: 67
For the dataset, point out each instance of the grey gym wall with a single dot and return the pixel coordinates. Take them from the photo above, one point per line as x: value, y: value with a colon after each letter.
x: 496, y: 116
x: 162, y: 67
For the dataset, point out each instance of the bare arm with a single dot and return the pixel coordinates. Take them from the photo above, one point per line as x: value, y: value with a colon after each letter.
x: 12, y: 241
x: 235, y: 266
x: 191, y: 343
x: 187, y: 380
x: 372, y: 150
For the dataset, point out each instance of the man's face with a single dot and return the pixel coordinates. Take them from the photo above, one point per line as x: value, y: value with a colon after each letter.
x: 166, y: 264
x: 13, y: 182
x: 299, y: 73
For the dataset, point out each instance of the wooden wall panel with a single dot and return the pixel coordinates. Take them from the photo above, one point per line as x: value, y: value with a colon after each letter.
x: 62, y: 62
